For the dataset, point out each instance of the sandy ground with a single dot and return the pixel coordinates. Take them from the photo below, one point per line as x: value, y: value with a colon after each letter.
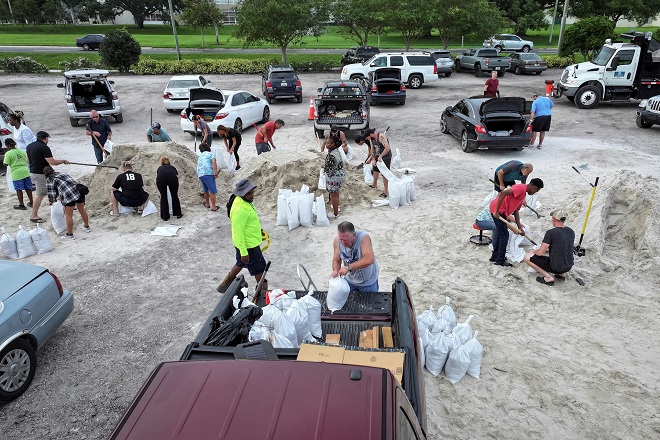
x: 567, y: 361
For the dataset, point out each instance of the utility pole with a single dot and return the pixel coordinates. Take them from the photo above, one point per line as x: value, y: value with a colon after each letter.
x: 176, y: 38
x: 554, y: 15
x: 563, y: 26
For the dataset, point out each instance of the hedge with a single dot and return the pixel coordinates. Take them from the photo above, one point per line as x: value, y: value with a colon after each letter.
x: 80, y: 63
x: 557, y: 62
x: 149, y: 66
x: 22, y: 65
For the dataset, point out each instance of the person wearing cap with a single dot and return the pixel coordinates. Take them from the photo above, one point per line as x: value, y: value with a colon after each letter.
x: 558, y: 244
x: 100, y: 131
x: 39, y: 157
x: 17, y: 162
x: 355, y: 251
x: 157, y: 134
x: 507, y: 174
x: 508, y: 202
x: 540, y: 118
x: 128, y: 190
x: 264, y: 137
x: 62, y: 187
x: 246, y: 235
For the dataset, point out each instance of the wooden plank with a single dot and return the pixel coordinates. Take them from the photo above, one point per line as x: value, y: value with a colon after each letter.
x: 366, y: 339
x: 388, y: 342
x: 376, y: 337
x: 332, y: 339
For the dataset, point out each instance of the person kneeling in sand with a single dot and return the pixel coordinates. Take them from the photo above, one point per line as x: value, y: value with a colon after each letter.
x: 62, y: 187
x: 128, y: 190
x: 558, y: 242
x: 354, y: 249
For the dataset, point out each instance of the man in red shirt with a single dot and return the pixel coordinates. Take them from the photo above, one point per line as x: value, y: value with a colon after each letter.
x: 509, y: 202
x: 492, y: 86
x: 264, y: 137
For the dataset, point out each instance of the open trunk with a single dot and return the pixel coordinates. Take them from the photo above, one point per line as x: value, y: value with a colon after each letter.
x: 206, y: 102
x: 388, y: 87
x: 505, y: 126
x: 339, y: 111
x: 91, y: 95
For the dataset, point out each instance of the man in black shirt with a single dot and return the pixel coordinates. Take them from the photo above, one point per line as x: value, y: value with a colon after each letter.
x: 100, y: 131
x: 128, y: 190
x: 558, y: 242
x: 40, y: 156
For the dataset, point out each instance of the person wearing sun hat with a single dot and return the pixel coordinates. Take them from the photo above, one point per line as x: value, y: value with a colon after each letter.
x: 246, y: 234
x: 558, y: 243
x: 156, y: 133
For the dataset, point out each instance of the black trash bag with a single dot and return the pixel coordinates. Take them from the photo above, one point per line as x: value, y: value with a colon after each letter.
x: 235, y: 330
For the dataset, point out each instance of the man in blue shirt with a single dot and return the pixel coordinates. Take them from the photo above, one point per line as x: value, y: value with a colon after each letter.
x: 540, y: 117
x: 100, y: 131
x: 157, y: 134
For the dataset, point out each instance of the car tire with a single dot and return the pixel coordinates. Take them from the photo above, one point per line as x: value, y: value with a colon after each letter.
x: 265, y: 117
x: 119, y: 118
x: 443, y: 125
x: 85, y: 46
x: 18, y: 363
x: 447, y: 74
x: 458, y: 67
x: 74, y: 122
x: 587, y: 97
x: 465, y: 145
x: 498, y: 49
x: 415, y: 81
x: 526, y: 48
x: 501, y: 73
x: 517, y: 71
x: 238, y: 125
x: 356, y: 77
x: 642, y: 124
x: 477, y: 70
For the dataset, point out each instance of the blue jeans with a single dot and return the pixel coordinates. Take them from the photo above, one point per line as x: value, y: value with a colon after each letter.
x: 486, y: 225
x: 370, y: 288
x: 500, y: 240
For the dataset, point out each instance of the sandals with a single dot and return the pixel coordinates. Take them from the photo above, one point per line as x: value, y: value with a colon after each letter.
x: 560, y: 278
x: 543, y: 281
x: 384, y: 195
x: 37, y: 220
x: 214, y: 209
x: 21, y: 207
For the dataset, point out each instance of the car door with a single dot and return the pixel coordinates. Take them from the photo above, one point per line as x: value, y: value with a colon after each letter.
x: 623, y: 73
x: 515, y: 61
x: 240, y: 108
x: 254, y: 106
x: 454, y: 123
x: 513, y: 42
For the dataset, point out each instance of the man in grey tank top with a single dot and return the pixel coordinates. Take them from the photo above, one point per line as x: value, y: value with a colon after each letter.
x: 354, y: 259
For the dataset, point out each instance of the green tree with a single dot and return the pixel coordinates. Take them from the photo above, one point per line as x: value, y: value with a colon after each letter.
x: 142, y: 8
x: 412, y: 18
x: 639, y: 11
x: 280, y: 22
x: 524, y: 14
x: 586, y: 37
x: 358, y: 19
x: 455, y: 18
x: 200, y: 14
x: 120, y: 50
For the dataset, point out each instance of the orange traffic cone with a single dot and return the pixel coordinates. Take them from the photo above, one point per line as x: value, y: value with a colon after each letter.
x: 311, y: 109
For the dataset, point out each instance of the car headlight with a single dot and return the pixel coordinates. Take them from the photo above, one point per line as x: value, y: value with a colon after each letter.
x: 571, y: 81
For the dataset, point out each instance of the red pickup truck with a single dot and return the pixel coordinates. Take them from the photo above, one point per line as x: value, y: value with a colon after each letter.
x: 255, y: 391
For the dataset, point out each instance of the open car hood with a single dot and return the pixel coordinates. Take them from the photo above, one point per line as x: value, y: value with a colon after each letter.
x: 86, y: 74
x: 503, y: 105
x: 387, y: 73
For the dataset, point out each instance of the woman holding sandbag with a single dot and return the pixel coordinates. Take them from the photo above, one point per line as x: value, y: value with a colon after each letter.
x: 334, y: 171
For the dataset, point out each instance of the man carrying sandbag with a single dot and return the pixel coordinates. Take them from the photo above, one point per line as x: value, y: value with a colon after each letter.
x: 245, y: 234
x: 354, y: 249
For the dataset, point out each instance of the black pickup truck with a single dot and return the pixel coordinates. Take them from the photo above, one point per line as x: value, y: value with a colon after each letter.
x: 358, y: 54
x: 255, y: 391
x: 341, y: 103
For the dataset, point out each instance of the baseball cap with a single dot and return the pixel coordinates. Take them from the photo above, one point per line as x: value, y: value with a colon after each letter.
x: 42, y: 135
x: 155, y: 125
x: 559, y: 214
x: 243, y: 187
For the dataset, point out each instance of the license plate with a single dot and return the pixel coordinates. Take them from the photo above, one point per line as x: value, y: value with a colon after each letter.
x: 208, y: 118
x: 283, y: 83
x: 498, y: 68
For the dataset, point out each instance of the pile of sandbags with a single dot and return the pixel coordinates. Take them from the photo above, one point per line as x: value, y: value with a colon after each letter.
x: 449, y: 345
x: 299, y: 208
x: 26, y: 243
x: 401, y: 190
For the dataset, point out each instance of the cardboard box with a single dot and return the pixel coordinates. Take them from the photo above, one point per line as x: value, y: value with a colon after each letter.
x: 321, y: 353
x: 388, y: 342
x: 393, y: 361
x: 332, y: 339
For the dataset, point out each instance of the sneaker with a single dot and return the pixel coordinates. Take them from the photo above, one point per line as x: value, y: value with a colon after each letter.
x: 67, y: 237
x: 504, y: 264
x: 87, y: 229
x: 539, y: 146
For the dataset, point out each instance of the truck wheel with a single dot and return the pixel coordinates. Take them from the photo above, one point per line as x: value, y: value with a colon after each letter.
x: 443, y: 124
x: 587, y: 97
x: 477, y: 70
x: 457, y: 66
x: 86, y: 46
x: 501, y: 73
x: 525, y: 48
x: 517, y: 71
x: 119, y: 118
x: 415, y: 81
x: 447, y: 74
x: 18, y: 362
x: 464, y: 143
x: 357, y: 76
x: 319, y: 132
x: 642, y: 124
x: 498, y: 49
x: 74, y: 122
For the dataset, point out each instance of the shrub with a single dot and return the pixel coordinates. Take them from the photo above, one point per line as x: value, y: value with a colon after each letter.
x: 22, y: 65
x: 557, y: 62
x: 148, y: 66
x: 80, y: 63
x: 587, y: 36
x: 120, y: 50
x: 315, y: 66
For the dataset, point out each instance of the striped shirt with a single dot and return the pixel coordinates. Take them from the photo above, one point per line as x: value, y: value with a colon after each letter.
x: 62, y: 186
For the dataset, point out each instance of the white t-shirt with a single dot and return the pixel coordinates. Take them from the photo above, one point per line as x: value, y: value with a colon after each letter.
x: 23, y: 136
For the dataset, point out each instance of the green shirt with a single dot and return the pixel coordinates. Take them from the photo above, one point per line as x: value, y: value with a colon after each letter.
x: 18, y: 163
x: 245, y: 226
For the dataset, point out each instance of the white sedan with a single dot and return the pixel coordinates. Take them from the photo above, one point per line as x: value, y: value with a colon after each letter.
x: 234, y: 109
x: 176, y: 93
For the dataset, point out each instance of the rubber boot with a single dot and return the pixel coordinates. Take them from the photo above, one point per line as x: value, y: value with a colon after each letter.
x: 222, y: 288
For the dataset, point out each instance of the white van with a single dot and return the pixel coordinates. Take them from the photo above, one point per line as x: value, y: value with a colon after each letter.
x: 416, y: 67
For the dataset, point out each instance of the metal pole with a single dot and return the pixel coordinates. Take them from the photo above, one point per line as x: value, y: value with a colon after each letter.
x: 11, y: 12
x: 176, y: 38
x: 563, y: 26
x: 554, y: 16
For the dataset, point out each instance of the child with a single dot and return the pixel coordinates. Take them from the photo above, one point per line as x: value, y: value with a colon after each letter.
x: 17, y: 162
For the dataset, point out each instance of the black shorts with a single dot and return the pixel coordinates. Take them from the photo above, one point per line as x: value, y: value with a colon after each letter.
x: 544, y: 263
x: 541, y: 123
x: 80, y: 200
x: 257, y: 264
x: 387, y: 160
x: 130, y: 202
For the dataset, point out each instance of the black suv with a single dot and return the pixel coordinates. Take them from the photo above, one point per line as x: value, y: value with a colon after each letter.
x: 281, y: 82
x: 90, y: 42
x: 358, y: 54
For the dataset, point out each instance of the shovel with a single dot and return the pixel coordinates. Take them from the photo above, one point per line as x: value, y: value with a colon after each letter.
x: 94, y: 165
x: 257, y: 290
x: 100, y: 146
x: 515, y: 229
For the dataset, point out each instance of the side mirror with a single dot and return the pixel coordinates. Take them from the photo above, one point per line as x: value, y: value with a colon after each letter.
x: 111, y: 82
x: 614, y: 64
x: 448, y: 109
x: 60, y: 86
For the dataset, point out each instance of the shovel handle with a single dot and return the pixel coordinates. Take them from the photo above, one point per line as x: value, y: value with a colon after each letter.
x: 257, y: 290
x: 516, y: 230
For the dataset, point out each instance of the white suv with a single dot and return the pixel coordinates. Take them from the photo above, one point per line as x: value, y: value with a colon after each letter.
x: 416, y: 67
x: 89, y: 89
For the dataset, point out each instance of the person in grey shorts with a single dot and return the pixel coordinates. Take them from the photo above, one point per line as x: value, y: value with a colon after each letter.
x: 40, y: 156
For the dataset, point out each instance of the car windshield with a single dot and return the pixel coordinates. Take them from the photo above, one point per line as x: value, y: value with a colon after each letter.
x: 282, y: 75
x: 603, y: 56
x: 182, y: 83
x: 530, y: 56
x: 370, y: 60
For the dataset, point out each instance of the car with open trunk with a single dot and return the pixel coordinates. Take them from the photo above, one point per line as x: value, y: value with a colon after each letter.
x: 385, y: 86
x: 90, y: 89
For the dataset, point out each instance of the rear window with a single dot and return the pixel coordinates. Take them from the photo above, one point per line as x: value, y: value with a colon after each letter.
x: 437, y: 55
x: 342, y: 91
x: 487, y: 53
x: 530, y: 56
x: 282, y: 75
x: 182, y: 83
x: 421, y: 60
x: 368, y: 51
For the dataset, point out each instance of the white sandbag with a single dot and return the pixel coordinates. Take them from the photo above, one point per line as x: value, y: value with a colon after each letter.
x: 314, y: 309
x: 282, y: 210
x: 57, y: 217
x: 108, y: 145
x: 413, y: 188
x: 394, y: 197
x: 389, y: 175
x: 349, y: 153
x: 402, y: 188
x: 282, y: 331
x: 40, y: 240
x: 259, y: 332
x: 368, y: 177
x: 8, y: 245
x: 489, y: 198
x: 304, y: 189
x: 273, y: 295
x: 219, y: 157
x: 463, y: 331
x: 427, y: 317
x: 379, y: 203
x: 292, y: 212
x: 514, y: 252
x: 298, y: 314
x: 452, y: 341
x: 424, y: 336
x: 342, y: 153
x: 321, y: 185
x: 436, y: 354
x: 447, y: 313
x: 396, y: 159
x: 338, y: 290
x: 169, y: 201
x: 408, y: 185
x: 230, y: 160
x: 10, y: 182
x: 321, y: 214
x: 528, y: 232
x: 475, y: 349
x: 123, y: 210
x: 440, y: 326
x: 24, y: 244
x: 457, y: 364
x: 149, y: 209
x: 305, y: 201
x: 531, y: 201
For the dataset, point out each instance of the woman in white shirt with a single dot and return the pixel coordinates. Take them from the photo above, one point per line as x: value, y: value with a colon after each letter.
x: 22, y: 134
